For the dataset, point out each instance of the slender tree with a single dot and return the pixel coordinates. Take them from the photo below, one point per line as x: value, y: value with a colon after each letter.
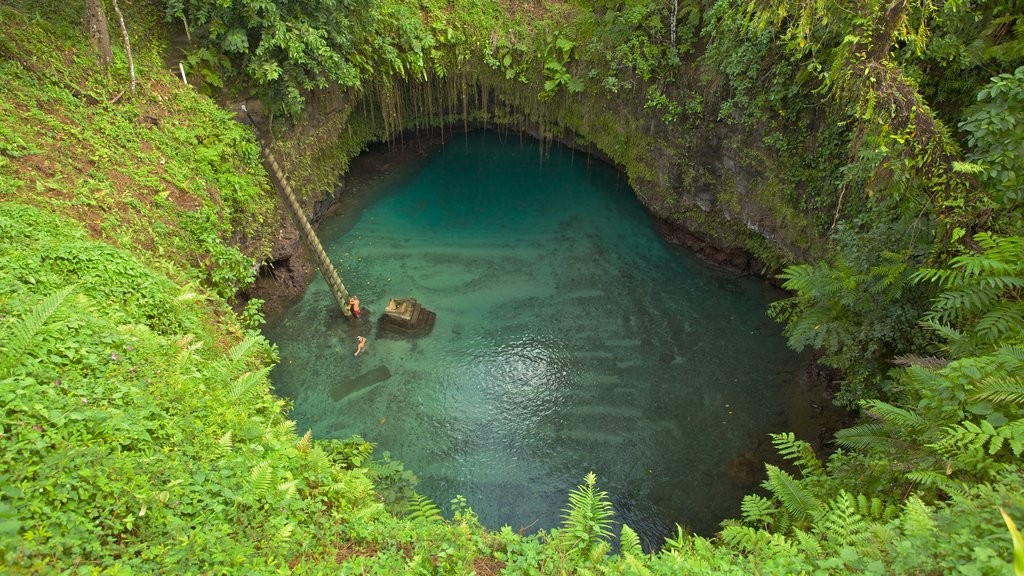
x: 127, y: 46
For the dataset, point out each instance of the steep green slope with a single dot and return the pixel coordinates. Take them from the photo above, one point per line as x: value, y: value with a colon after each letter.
x: 138, y: 433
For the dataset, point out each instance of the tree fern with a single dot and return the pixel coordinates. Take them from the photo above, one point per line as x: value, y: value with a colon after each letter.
x: 19, y: 334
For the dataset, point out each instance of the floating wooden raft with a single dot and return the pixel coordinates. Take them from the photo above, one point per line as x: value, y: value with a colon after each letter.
x: 406, y: 316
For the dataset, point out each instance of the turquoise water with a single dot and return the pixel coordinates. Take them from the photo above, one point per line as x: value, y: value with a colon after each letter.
x: 570, y: 338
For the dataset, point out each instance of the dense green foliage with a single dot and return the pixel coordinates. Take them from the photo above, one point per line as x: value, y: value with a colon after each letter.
x: 138, y: 430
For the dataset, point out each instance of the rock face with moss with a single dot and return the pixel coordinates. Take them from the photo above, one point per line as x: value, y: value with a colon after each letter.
x: 718, y: 182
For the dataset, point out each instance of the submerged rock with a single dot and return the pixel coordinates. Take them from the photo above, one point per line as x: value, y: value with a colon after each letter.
x: 407, y: 317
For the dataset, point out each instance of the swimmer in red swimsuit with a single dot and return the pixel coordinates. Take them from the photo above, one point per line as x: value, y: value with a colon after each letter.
x: 353, y: 304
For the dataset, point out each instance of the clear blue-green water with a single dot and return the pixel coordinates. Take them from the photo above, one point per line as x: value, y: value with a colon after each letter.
x: 570, y: 338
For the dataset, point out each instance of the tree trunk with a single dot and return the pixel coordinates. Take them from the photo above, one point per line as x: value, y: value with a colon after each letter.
x: 96, y: 27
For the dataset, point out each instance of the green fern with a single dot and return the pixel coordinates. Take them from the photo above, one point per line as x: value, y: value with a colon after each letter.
x: 18, y: 335
x: 938, y: 481
x: 757, y: 510
x: 982, y: 440
x: 629, y: 542
x: 798, y: 452
x: 982, y: 292
x: 1003, y: 381
x: 226, y: 442
x: 419, y: 507
x: 916, y: 519
x: 809, y: 543
x: 796, y: 501
x: 587, y: 519
x: 261, y: 478
x: 240, y: 352
x: 248, y: 385
x: 743, y: 538
x: 873, y: 508
x: 840, y: 523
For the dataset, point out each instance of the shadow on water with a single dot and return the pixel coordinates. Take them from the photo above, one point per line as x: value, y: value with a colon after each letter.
x: 569, y: 338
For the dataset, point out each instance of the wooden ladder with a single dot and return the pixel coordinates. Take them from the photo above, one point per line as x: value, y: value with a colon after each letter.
x: 323, y: 262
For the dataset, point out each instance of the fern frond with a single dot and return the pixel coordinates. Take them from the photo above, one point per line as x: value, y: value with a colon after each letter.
x: 1002, y: 320
x: 226, y: 442
x: 629, y: 542
x: 870, y: 436
x: 898, y: 417
x: 743, y: 538
x: 808, y: 543
x: 938, y: 481
x: 261, y: 477
x: 1008, y: 390
x: 873, y: 508
x: 284, y: 534
x: 928, y: 362
x: 839, y: 522
x: 978, y: 442
x: 241, y: 350
x: 587, y: 519
x: 795, y: 500
x: 419, y: 507
x: 288, y: 487
x: 916, y: 519
x: 757, y: 510
x: 18, y: 335
x: 248, y: 385
x: 799, y: 452
x: 305, y: 442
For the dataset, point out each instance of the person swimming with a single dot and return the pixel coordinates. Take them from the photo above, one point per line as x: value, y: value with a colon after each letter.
x: 360, y: 343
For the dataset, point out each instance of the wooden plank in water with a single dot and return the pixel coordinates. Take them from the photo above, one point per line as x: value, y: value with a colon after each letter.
x: 361, y: 382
